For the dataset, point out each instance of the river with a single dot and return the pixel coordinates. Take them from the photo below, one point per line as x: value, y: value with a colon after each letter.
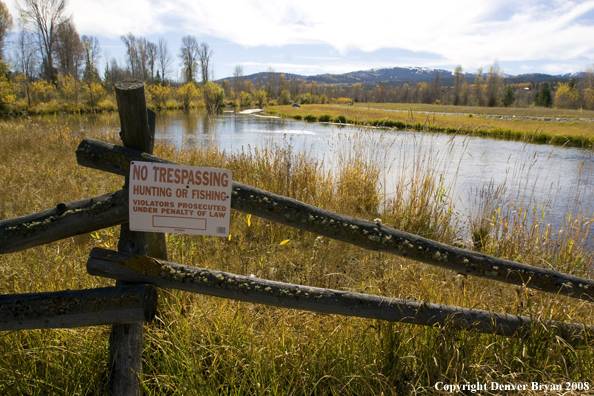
x: 554, y: 180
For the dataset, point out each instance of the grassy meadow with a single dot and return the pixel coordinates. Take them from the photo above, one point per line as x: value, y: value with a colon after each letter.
x: 481, y: 110
x: 413, y: 116
x: 201, y: 345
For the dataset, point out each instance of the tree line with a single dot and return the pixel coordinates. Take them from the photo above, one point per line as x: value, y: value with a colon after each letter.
x: 48, y: 61
x: 49, y: 64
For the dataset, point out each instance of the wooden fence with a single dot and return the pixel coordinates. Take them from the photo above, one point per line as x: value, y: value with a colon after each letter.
x: 141, y: 263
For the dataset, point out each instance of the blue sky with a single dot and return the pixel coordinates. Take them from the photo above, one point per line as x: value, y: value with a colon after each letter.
x: 319, y: 36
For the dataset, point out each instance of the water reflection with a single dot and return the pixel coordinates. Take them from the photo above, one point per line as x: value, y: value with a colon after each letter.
x: 547, y: 176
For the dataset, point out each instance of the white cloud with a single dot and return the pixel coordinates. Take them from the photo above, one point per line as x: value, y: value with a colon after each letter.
x: 467, y: 32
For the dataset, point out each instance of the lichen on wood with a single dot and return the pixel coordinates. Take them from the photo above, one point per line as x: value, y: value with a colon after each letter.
x: 366, y: 234
x: 165, y: 274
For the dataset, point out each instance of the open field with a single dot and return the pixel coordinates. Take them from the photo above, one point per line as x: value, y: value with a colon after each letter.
x: 202, y: 345
x: 574, y: 133
x: 507, y: 111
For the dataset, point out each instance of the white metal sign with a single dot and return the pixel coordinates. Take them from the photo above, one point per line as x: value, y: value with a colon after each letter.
x: 179, y: 199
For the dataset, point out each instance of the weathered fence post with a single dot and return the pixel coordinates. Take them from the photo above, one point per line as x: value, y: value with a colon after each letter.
x: 138, y: 132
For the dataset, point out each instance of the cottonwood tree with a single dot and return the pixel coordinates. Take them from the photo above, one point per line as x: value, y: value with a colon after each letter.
x: 189, y: 55
x: 46, y: 16
x: 5, y: 25
x: 435, y: 87
x: 69, y: 50
x: 458, y: 82
x: 272, y: 82
x: 204, y: 55
x: 140, y: 55
x: 587, y: 86
x: 164, y: 59
x: 25, y: 57
x: 151, y: 56
x: 114, y: 72
x: 132, y: 59
x: 237, y: 80
x: 493, y: 85
x: 477, y: 92
x: 92, y: 53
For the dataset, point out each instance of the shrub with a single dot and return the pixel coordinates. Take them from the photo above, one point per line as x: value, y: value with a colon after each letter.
x: 188, y: 93
x: 246, y: 99
x: 93, y: 93
x: 325, y: 118
x: 159, y: 94
x: 340, y: 119
x: 285, y: 98
x: 310, y: 118
x: 261, y: 97
x: 107, y: 105
x: 42, y: 91
x: 342, y: 100
x: 214, y: 96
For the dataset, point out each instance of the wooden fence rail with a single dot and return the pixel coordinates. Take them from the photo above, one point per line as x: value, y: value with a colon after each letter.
x: 63, y: 221
x: 366, y: 234
x: 134, y: 268
x: 77, y: 308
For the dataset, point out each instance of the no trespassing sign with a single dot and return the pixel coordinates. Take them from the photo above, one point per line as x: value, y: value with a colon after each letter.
x: 179, y: 199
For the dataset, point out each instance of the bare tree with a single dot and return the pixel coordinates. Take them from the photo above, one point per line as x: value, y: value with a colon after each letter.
x: 435, y: 88
x: 5, y: 25
x: 68, y: 50
x: 164, y: 59
x: 204, y: 55
x: 114, y: 72
x: 46, y: 16
x: 133, y: 56
x: 458, y: 82
x: 143, y: 58
x: 151, y: 57
x: 25, y: 53
x: 272, y: 81
x: 25, y: 56
x: 237, y: 80
x: 493, y: 85
x: 477, y: 93
x: 129, y: 41
x: 92, y: 54
x: 189, y: 55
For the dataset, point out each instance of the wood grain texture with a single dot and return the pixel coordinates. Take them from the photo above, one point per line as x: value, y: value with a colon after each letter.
x: 78, y: 308
x: 366, y: 234
x: 165, y: 274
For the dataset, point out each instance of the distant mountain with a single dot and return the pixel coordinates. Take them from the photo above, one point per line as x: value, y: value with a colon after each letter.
x: 397, y: 76
x: 537, y: 78
x: 574, y: 75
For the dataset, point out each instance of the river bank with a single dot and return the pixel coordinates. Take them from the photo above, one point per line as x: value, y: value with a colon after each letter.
x: 525, y: 128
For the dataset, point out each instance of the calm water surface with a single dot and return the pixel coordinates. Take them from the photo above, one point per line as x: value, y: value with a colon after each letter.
x: 556, y: 179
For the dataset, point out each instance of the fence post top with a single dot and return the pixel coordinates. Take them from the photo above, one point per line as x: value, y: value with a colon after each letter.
x: 129, y: 84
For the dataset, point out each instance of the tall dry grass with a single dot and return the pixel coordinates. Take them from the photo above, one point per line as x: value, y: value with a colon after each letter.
x: 202, y: 345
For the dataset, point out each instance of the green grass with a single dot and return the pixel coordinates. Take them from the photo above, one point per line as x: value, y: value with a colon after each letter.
x: 201, y: 345
x: 571, y: 133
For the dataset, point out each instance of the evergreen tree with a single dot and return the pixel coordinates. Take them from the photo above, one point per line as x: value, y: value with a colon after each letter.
x: 544, y: 98
x: 508, y: 97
